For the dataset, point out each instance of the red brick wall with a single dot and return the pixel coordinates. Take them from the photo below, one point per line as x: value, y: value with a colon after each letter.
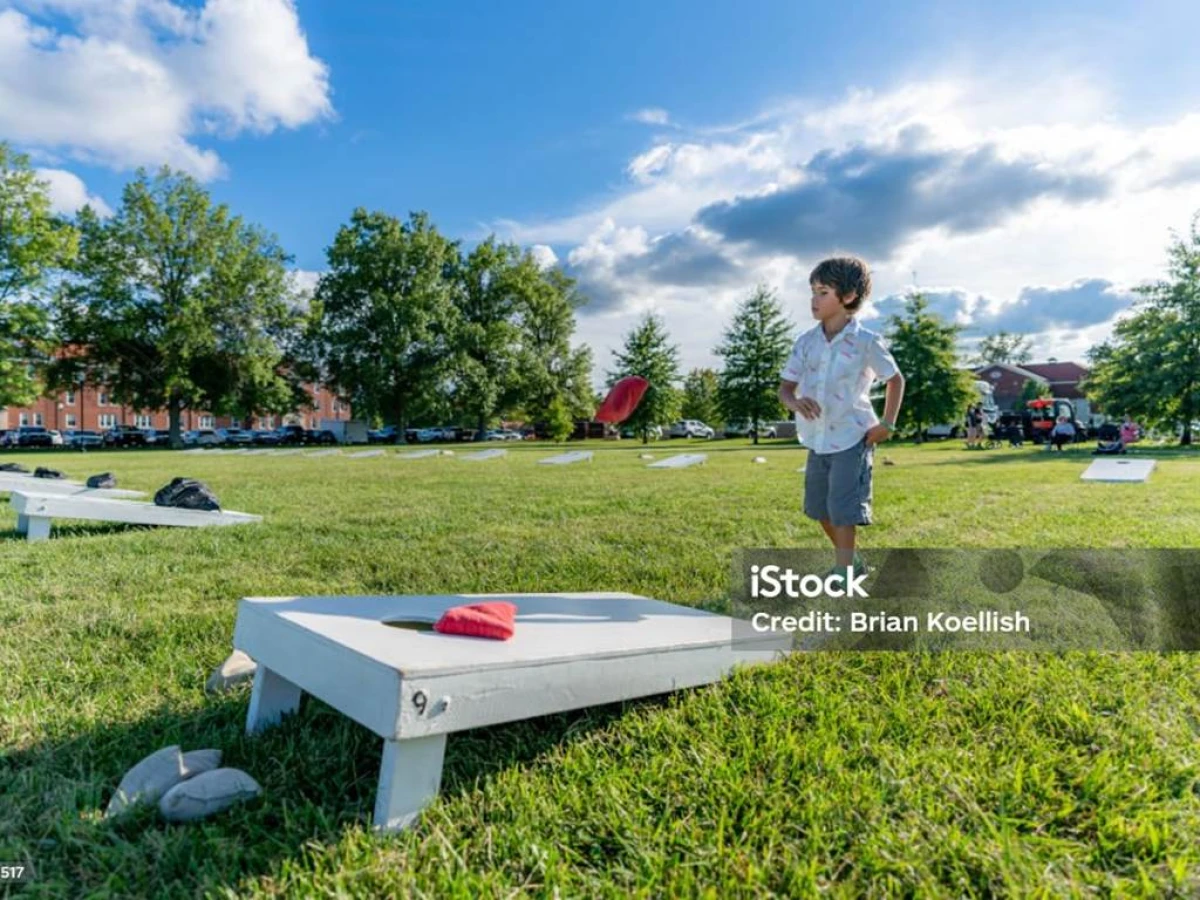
x: 88, y: 413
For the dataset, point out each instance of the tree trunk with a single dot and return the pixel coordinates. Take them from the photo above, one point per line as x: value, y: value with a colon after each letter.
x: 480, y: 430
x: 174, y: 437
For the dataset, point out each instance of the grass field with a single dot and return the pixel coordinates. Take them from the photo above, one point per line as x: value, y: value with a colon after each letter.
x: 857, y: 775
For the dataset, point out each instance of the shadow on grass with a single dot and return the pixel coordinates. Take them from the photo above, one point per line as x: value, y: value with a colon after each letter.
x: 1078, y: 453
x: 318, y: 770
x: 63, y: 532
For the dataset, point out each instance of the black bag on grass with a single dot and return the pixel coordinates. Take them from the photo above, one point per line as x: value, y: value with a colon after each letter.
x: 187, y: 493
x: 39, y: 472
x: 14, y: 467
x: 105, y: 480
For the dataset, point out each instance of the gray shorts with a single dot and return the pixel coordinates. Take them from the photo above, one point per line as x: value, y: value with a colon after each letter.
x: 837, y: 486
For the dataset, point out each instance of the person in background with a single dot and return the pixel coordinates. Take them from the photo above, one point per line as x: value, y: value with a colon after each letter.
x: 1062, y: 433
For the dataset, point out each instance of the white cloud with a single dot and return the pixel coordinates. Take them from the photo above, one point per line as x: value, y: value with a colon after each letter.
x: 68, y: 193
x: 1117, y: 190
x: 652, y: 116
x: 137, y: 82
x: 544, y: 256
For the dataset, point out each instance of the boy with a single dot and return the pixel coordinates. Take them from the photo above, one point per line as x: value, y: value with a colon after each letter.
x: 826, y: 382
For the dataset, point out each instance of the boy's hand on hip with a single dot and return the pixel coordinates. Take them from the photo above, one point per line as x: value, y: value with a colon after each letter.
x: 807, y: 407
x: 878, y: 434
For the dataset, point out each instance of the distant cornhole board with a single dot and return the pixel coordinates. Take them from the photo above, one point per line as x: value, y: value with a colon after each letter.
x: 1119, y: 470
x: 682, y: 461
x: 258, y: 452
x: 565, y: 459
x: 319, y: 453
x: 377, y: 660
x: 288, y: 452
x: 484, y: 454
x: 13, y: 481
x: 420, y: 454
x: 364, y: 454
x: 36, y: 511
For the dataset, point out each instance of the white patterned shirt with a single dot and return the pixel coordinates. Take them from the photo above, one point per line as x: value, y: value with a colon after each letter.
x: 838, y: 374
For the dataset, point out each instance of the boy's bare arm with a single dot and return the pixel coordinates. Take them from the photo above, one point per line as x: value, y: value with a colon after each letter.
x: 806, y: 406
x: 892, y: 399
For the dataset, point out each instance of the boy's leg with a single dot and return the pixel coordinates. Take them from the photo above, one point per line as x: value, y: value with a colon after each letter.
x: 850, y: 495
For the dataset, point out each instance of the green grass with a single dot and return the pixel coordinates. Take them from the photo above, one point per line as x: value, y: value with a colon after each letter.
x: 850, y: 774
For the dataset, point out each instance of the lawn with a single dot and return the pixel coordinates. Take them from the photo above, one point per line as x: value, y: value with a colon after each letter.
x: 848, y: 774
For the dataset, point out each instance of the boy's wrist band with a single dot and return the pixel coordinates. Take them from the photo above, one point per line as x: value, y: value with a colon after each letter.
x: 890, y: 426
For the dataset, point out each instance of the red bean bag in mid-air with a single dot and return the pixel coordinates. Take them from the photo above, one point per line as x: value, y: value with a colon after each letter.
x: 622, y: 399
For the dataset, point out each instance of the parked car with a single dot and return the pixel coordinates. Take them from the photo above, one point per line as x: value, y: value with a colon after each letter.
x: 691, y: 428
x: 56, y: 438
x: 201, y: 437
x: 124, y: 436
x: 746, y: 429
x: 290, y: 434
x: 655, y: 433
x: 82, y: 438
x: 157, y: 437
x: 425, y: 435
x: 266, y: 437
x: 388, y: 434
x: 320, y: 436
x: 33, y: 436
x: 236, y: 436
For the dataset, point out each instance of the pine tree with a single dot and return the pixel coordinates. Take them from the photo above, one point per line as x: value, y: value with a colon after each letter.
x: 755, y: 348
x: 649, y: 353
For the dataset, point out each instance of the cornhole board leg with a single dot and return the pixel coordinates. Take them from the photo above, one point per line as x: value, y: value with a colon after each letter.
x: 35, y: 528
x: 271, y: 698
x: 410, y: 777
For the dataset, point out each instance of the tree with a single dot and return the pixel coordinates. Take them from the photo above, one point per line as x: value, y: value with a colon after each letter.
x: 1033, y: 389
x: 648, y: 352
x: 487, y: 340
x: 936, y: 390
x: 699, y: 399
x: 755, y: 348
x: 1150, y: 368
x: 550, y: 372
x: 384, y: 322
x: 174, y: 303
x: 1003, y: 347
x: 33, y: 243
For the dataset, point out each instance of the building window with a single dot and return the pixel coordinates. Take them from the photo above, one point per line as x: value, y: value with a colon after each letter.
x: 108, y: 420
x: 24, y: 419
x: 70, y: 398
x: 205, y: 422
x: 102, y: 400
x: 70, y: 420
x: 143, y: 421
x: 37, y: 419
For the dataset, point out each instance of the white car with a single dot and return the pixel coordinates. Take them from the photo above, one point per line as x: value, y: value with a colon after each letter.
x: 691, y: 428
x: 201, y: 437
x: 425, y: 435
x: 56, y: 438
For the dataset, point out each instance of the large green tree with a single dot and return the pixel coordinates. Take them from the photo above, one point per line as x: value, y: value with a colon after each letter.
x: 174, y: 302
x: 1150, y: 368
x: 754, y: 349
x: 923, y: 345
x: 699, y: 400
x: 33, y: 244
x: 384, y: 319
x: 648, y: 352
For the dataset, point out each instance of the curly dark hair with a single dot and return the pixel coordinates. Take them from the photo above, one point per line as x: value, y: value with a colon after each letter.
x: 848, y: 275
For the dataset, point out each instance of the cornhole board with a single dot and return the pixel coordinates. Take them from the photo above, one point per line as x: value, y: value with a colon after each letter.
x: 1119, y: 470
x: 481, y: 455
x: 682, y: 461
x: 289, y: 452
x: 565, y: 459
x: 36, y: 511
x: 260, y: 452
x: 412, y: 686
x: 320, y: 453
x: 420, y: 454
x: 12, y: 481
x: 364, y: 454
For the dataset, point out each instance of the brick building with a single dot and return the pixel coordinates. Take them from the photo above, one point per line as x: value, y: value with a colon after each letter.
x: 1062, y: 378
x: 92, y: 409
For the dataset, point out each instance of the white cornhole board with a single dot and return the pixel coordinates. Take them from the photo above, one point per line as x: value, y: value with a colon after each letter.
x: 13, y: 481
x: 260, y: 452
x: 291, y: 452
x: 36, y: 511
x: 565, y: 459
x: 1119, y: 470
x: 682, y: 461
x: 420, y: 454
x: 413, y: 687
x: 364, y: 454
x: 319, y: 453
x: 196, y: 450
x: 484, y: 454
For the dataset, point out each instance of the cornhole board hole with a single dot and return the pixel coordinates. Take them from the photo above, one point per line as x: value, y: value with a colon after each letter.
x: 412, y: 686
x: 420, y: 454
x: 481, y: 455
x: 36, y: 511
x: 682, y: 461
x: 565, y: 459
x: 1119, y: 470
x: 11, y: 482
x: 320, y: 453
x: 364, y: 454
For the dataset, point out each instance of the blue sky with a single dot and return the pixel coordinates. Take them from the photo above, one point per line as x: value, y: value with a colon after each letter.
x: 1018, y: 157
